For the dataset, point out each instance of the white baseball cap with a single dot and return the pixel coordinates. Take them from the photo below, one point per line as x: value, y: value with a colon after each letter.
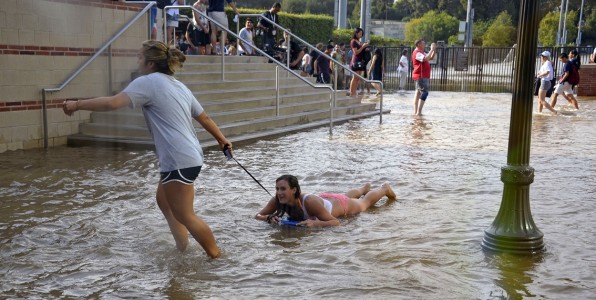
x: 545, y: 54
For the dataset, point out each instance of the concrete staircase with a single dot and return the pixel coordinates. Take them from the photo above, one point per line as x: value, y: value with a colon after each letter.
x: 243, y: 106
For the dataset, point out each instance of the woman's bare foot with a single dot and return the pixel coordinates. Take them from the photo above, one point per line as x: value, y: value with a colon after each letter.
x: 389, y: 191
x: 366, y: 188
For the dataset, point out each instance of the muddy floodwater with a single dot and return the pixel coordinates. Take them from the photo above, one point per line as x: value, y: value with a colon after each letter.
x: 83, y: 223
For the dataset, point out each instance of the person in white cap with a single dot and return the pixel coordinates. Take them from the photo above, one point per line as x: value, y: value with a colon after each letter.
x: 546, y: 75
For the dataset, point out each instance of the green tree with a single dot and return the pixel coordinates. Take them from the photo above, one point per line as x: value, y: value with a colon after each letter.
x: 479, y: 28
x: 500, y: 33
x: 589, y: 28
x: 547, y: 30
x: 432, y: 26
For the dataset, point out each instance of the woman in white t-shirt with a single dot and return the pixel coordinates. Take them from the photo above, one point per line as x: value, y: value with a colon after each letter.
x: 546, y: 75
x: 402, y: 70
x: 306, y: 66
x: 169, y: 108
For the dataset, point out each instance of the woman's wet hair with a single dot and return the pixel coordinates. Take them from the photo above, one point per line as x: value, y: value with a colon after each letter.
x: 167, y: 60
x: 294, y: 214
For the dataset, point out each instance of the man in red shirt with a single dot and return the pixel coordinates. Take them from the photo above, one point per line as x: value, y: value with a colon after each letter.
x: 421, y: 73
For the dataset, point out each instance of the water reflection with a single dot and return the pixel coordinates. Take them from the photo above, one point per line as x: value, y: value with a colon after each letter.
x: 83, y: 223
x: 515, y: 274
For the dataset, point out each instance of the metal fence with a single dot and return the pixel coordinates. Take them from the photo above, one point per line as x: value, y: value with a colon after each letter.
x: 473, y: 69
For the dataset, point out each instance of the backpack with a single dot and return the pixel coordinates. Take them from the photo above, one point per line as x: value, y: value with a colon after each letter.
x: 573, y: 77
x: 161, y: 4
x: 366, y: 55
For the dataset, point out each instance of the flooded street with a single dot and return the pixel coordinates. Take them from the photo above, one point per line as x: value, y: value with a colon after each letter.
x: 83, y: 222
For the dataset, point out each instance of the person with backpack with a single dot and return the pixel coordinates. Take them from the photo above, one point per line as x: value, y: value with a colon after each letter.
x: 569, y: 77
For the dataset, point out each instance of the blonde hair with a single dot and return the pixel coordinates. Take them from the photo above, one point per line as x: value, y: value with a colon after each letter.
x: 167, y: 60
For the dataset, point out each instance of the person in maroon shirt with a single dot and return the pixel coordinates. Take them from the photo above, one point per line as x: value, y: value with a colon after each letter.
x: 357, y: 64
x: 421, y: 73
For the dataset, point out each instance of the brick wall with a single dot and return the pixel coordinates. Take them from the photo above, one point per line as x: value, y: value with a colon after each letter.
x: 42, y: 42
x: 587, y: 84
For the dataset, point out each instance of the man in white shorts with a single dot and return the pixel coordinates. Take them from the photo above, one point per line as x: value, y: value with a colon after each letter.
x: 563, y: 87
x: 217, y: 13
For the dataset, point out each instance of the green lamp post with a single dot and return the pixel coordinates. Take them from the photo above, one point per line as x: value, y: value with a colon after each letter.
x: 513, y: 229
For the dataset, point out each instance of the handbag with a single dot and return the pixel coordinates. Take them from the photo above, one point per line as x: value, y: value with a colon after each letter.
x: 536, y: 86
x: 358, y: 65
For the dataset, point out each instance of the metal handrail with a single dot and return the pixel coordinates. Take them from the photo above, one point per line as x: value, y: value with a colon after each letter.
x: 331, y: 90
x: 107, y: 45
x: 353, y: 73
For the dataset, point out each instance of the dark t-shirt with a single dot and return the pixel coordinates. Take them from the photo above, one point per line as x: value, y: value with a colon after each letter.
x: 567, y: 68
x: 269, y: 16
x: 323, y: 64
x: 193, y: 33
x: 217, y: 5
x: 354, y: 44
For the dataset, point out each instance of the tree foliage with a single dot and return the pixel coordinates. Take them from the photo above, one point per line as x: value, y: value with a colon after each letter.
x: 500, y: 33
x: 547, y: 32
x: 432, y: 27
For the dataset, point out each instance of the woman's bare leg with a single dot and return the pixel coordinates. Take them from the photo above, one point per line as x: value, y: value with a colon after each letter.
x: 372, y: 197
x: 178, y: 230
x: 541, y: 98
x: 180, y: 198
x: 354, y: 86
x: 357, y: 193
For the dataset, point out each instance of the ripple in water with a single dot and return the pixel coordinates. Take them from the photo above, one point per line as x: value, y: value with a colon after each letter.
x: 83, y: 223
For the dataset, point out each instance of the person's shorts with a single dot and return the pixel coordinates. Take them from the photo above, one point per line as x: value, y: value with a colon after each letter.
x: 565, y: 87
x: 186, y: 175
x: 203, y: 38
x: 422, y: 84
x: 545, y: 84
x: 172, y: 20
x: 219, y: 17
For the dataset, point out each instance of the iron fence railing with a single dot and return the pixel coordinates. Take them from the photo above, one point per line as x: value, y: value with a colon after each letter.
x: 473, y: 69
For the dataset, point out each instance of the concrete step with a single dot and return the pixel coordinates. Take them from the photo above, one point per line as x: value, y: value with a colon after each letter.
x: 237, y: 111
x: 79, y: 140
x: 244, y: 104
x: 228, y: 59
x: 234, y: 75
x: 94, y: 133
x: 244, y: 67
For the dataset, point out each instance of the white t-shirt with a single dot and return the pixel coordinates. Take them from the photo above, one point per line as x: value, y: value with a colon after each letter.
x: 246, y: 35
x: 547, y: 66
x: 169, y: 106
x: 403, y: 60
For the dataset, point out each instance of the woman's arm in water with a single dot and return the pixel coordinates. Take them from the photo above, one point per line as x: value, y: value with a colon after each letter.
x: 269, y: 209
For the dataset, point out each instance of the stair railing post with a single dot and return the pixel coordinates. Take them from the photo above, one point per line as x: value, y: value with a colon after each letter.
x: 381, y: 104
x: 276, y: 91
x: 110, y: 90
x: 288, y: 50
x: 331, y: 104
x: 223, y: 69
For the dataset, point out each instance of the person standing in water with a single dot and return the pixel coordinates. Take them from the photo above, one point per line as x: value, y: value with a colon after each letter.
x: 319, y: 210
x: 546, y: 75
x: 169, y: 108
x: 421, y: 73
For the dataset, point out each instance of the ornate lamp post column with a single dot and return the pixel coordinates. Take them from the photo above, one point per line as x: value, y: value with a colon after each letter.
x: 513, y: 229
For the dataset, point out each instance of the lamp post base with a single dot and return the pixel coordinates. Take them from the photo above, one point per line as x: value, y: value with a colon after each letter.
x: 529, y: 244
